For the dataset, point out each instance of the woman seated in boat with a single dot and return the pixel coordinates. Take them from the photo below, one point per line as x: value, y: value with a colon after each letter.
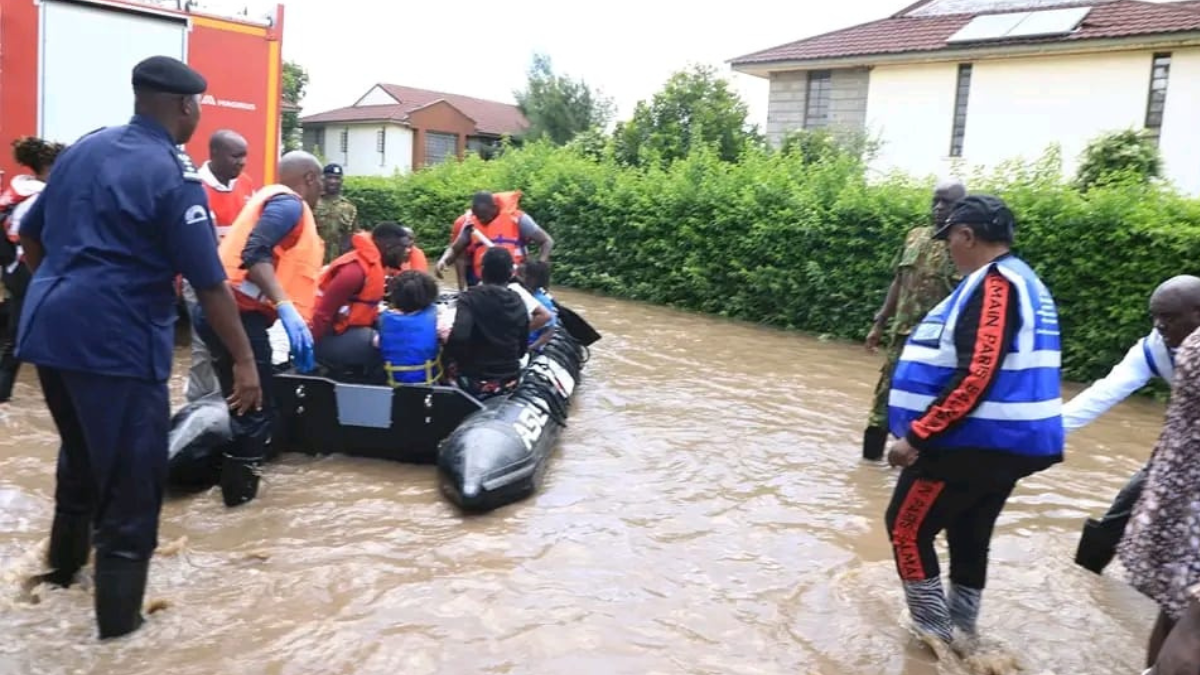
x: 408, y: 331
x: 490, y: 334
x: 534, y: 276
x: 349, y: 293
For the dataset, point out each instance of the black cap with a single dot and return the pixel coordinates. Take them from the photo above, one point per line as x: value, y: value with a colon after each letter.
x: 989, y: 216
x: 166, y: 75
x: 333, y: 169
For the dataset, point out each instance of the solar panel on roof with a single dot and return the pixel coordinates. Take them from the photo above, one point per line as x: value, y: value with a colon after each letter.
x: 988, y: 27
x: 1050, y: 22
x: 1042, y: 23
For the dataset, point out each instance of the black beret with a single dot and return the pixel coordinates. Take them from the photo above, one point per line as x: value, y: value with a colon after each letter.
x: 989, y: 216
x: 166, y: 75
x: 333, y: 169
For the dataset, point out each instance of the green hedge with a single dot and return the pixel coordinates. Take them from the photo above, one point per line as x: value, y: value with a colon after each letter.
x: 805, y: 245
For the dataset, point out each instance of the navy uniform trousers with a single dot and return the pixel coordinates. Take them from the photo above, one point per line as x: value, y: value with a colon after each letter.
x: 112, y: 465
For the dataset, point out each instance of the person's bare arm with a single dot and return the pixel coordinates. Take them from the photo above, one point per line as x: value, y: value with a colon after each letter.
x: 34, y: 252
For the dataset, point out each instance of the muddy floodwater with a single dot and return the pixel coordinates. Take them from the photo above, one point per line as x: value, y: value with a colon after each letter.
x: 706, y: 512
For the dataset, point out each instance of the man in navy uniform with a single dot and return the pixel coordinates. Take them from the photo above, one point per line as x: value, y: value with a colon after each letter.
x: 125, y: 213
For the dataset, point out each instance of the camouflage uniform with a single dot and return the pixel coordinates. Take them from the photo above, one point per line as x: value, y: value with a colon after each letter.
x: 927, y: 275
x: 337, y: 218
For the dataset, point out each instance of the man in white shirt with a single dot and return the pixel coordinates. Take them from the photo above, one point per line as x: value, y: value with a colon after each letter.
x: 1175, y: 307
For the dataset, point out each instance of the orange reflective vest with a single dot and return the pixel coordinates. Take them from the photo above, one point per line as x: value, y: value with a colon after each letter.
x: 504, y: 230
x: 364, y: 307
x: 297, y: 259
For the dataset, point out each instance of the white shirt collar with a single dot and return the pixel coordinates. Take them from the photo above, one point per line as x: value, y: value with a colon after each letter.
x: 211, y: 181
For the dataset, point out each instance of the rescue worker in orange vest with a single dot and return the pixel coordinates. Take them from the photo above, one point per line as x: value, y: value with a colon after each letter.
x: 348, y: 297
x: 228, y: 189
x: 272, y: 255
x: 493, y: 220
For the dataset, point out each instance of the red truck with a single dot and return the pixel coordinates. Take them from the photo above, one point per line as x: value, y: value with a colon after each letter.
x: 65, y: 70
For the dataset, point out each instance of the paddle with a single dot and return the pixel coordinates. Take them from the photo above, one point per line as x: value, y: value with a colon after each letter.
x: 579, y: 328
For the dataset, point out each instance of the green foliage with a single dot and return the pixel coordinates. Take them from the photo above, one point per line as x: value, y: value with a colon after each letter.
x: 782, y: 239
x: 695, y: 108
x: 1122, y: 156
x: 295, y: 80
x: 559, y: 108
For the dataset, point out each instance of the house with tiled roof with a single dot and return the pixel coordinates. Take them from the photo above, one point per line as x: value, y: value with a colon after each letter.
x: 984, y: 81
x: 394, y: 128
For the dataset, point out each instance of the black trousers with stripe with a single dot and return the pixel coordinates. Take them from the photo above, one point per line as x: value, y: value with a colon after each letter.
x: 961, y: 492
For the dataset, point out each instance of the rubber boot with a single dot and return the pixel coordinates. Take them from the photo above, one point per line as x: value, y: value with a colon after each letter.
x: 964, y: 608
x: 239, y: 479
x: 874, y: 441
x: 70, y: 544
x: 120, y: 588
x: 9, y: 365
x: 927, y: 606
x: 1098, y: 543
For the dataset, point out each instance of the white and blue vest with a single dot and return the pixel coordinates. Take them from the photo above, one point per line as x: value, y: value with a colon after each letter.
x: 1159, y: 357
x: 1021, y: 413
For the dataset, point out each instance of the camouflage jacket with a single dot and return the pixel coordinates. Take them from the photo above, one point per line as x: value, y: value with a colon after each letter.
x: 926, y: 275
x: 337, y: 218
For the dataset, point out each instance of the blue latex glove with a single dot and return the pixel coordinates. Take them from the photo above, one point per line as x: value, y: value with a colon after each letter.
x: 299, y: 337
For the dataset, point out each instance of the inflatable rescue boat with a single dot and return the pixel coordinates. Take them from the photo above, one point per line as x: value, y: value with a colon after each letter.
x: 489, y: 453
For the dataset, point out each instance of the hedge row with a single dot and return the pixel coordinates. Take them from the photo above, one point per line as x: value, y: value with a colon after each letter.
x: 806, y: 245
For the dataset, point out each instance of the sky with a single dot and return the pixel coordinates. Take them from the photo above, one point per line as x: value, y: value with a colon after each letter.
x: 626, y: 48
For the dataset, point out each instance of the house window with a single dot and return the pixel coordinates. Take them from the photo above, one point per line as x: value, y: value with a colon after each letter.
x: 344, y: 141
x: 319, y: 140
x: 816, y: 105
x: 380, y: 140
x: 959, y: 131
x: 440, y: 147
x: 1159, y: 72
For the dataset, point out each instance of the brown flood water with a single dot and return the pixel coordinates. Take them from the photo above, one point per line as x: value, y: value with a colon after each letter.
x: 706, y: 512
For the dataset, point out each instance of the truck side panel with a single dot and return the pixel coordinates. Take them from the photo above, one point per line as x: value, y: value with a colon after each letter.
x: 241, y: 64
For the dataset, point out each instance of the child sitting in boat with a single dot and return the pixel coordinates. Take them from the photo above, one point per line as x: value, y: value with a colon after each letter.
x: 408, y: 331
x: 534, y: 275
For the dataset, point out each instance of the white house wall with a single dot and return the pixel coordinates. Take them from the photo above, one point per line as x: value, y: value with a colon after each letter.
x: 911, y: 110
x: 1019, y: 107
x: 377, y: 96
x: 1180, y: 143
x: 362, y: 156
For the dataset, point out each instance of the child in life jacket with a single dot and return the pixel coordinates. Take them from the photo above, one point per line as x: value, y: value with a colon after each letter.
x: 410, y: 337
x: 534, y: 275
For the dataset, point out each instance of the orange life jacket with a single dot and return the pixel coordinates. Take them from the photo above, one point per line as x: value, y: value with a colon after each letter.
x: 364, y: 307
x: 504, y: 230
x: 297, y: 259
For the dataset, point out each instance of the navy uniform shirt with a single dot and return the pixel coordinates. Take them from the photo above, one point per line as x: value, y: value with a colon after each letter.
x: 123, y: 213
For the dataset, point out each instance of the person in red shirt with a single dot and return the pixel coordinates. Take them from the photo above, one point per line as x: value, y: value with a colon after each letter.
x: 228, y: 189
x: 225, y: 180
x: 348, y: 297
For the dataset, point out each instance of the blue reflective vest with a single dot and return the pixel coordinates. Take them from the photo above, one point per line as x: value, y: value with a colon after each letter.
x: 409, y: 346
x: 547, y: 301
x: 1022, y: 411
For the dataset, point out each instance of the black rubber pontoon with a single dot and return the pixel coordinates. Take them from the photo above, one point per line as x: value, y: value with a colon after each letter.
x: 498, y: 455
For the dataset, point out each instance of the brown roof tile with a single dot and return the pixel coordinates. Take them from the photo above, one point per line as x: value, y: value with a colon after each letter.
x: 909, y: 34
x: 491, y: 117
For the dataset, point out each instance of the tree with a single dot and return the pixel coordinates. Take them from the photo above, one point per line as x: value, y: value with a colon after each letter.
x: 559, y: 108
x: 694, y: 108
x: 295, y: 80
x: 1119, y: 156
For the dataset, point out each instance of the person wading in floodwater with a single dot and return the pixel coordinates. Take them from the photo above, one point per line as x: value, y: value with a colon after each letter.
x: 1175, y: 306
x: 975, y: 403
x: 923, y: 276
x: 124, y: 212
x: 1161, y: 547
